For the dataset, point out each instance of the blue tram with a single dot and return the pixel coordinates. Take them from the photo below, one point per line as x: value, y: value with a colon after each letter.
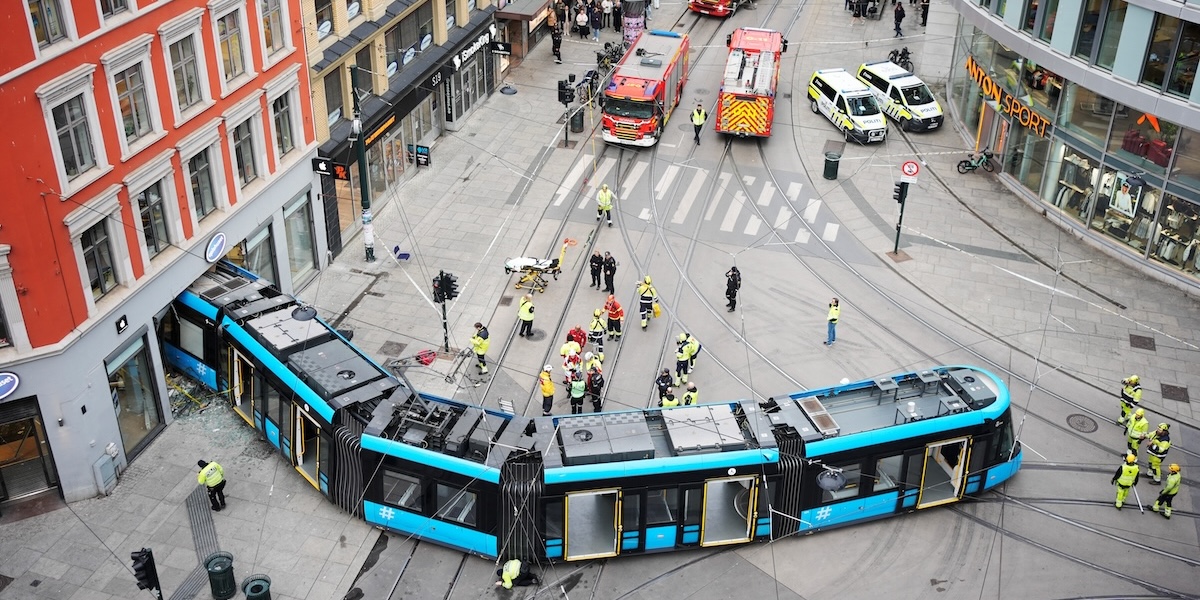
x: 585, y: 486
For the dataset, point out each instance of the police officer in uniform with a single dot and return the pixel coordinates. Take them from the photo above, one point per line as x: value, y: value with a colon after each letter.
x: 596, y: 262
x: 525, y: 314
x: 595, y: 387
x: 1168, y: 491
x: 698, y: 119
x: 733, y: 283
x: 1160, y: 442
x: 610, y: 272
x: 663, y: 383
x: 604, y: 203
x: 1125, y: 478
x: 514, y: 573
x: 1131, y: 396
x: 213, y: 478
x: 480, y: 343
x: 647, y: 295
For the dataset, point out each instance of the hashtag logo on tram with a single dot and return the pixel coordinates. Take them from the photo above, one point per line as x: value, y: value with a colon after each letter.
x: 824, y: 513
x: 386, y: 513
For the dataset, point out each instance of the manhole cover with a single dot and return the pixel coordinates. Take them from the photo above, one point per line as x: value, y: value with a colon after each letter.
x: 506, y: 300
x: 537, y: 335
x: 392, y: 348
x: 1082, y: 423
x: 1141, y: 342
x: 1175, y: 392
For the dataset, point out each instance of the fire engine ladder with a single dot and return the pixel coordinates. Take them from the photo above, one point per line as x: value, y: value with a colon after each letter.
x: 766, y: 69
x: 735, y: 66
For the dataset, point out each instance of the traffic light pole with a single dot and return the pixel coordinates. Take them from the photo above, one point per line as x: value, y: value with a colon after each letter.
x: 445, y: 328
x: 145, y: 572
x: 901, y: 194
x: 363, y: 171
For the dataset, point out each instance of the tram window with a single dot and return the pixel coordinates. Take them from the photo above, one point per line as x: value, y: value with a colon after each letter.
x: 456, y: 504
x: 631, y: 511
x: 979, y: 454
x: 1004, y: 441
x: 850, y: 490
x: 554, y: 520
x: 660, y: 506
x: 887, y: 472
x: 693, y: 505
x: 402, y: 490
x: 916, y: 466
x: 271, y: 405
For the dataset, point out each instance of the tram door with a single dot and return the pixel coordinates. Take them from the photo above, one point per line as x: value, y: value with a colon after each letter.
x: 942, y: 475
x: 241, y: 385
x: 593, y: 524
x: 729, y: 510
x: 310, y: 448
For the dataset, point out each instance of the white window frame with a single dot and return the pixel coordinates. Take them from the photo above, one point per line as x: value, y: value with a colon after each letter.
x: 53, y: 94
x: 18, y: 336
x: 270, y: 60
x: 287, y: 83
x: 131, y: 10
x: 218, y: 9
x: 172, y: 32
x: 207, y: 137
x: 135, y: 52
x: 250, y: 108
x: 105, y: 206
x: 58, y: 46
x: 156, y: 170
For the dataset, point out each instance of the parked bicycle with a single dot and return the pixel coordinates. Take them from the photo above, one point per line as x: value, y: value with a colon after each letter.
x: 973, y: 161
x: 902, y: 57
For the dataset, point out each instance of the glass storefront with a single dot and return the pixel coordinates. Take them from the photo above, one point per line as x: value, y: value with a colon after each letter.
x: 298, y: 226
x: 26, y: 465
x: 1104, y: 165
x: 134, y: 395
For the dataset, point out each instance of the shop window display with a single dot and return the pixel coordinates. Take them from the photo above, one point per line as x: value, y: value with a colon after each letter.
x: 1124, y: 210
x: 1142, y: 140
x: 1174, y: 240
x: 1075, y: 186
x: 1027, y: 160
x: 1086, y: 113
x: 1186, y: 169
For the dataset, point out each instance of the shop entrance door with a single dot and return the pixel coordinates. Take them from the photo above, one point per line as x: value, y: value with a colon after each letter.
x: 26, y: 467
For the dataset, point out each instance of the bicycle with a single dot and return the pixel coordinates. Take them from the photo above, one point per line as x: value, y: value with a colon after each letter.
x: 902, y: 57
x: 974, y: 161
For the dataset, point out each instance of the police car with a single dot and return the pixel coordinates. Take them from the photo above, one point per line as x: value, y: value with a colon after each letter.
x: 903, y: 96
x: 849, y: 104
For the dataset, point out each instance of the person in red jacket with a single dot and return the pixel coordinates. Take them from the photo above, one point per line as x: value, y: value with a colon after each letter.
x: 616, y: 316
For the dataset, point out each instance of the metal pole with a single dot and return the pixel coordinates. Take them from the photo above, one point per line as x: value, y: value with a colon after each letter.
x: 896, y: 248
x: 363, y: 177
x: 445, y: 328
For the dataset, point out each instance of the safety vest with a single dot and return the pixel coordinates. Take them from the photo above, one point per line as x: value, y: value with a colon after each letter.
x: 597, y: 326
x: 480, y: 342
x: 834, y: 313
x: 1132, y: 393
x: 596, y: 363
x: 691, y: 397
x: 1171, y: 487
x: 647, y: 293
x: 681, y: 354
x: 512, y: 570
x: 670, y: 401
x: 604, y: 199
x: 1158, y: 447
x: 568, y: 348
x: 1128, y: 475
x: 578, y: 388
x: 698, y: 116
x: 1138, y: 428
x: 547, y: 384
x: 693, y: 347
x: 211, y: 475
x: 525, y: 310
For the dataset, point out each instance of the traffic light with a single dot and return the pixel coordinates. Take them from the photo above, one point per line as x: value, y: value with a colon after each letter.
x: 564, y: 91
x: 449, y: 285
x: 144, y: 570
x: 900, y: 192
x: 439, y: 295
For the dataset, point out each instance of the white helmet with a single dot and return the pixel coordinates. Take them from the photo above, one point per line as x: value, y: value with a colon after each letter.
x: 547, y: 368
x: 587, y: 356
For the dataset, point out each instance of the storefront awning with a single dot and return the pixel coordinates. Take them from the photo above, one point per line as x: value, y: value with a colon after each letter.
x: 522, y: 10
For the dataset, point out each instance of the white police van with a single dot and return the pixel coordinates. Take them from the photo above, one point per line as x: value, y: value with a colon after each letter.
x: 849, y: 104
x: 903, y: 96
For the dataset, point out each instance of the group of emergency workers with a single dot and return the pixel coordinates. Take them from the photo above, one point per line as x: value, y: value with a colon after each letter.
x: 1158, y: 442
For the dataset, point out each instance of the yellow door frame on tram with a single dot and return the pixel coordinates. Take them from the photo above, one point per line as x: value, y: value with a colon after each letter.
x: 299, y: 444
x: 959, y: 471
x: 751, y: 511
x: 241, y: 384
x: 616, y: 524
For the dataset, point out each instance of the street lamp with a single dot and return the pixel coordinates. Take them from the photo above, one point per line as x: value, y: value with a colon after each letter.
x: 360, y: 143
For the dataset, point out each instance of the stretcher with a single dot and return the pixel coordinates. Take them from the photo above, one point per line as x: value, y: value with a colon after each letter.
x: 534, y: 270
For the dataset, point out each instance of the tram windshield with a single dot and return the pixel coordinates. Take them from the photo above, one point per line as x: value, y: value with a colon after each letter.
x: 917, y: 95
x: 621, y: 107
x: 862, y: 106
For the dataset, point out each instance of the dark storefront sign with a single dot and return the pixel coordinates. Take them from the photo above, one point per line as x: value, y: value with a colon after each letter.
x: 1021, y: 112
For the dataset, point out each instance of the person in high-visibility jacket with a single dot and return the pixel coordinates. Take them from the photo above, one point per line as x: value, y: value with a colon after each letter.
x: 480, y: 343
x: 1160, y: 442
x: 669, y: 400
x: 213, y: 478
x: 1137, y: 430
x: 682, y: 360
x: 1174, y: 477
x: 693, y: 347
x: 1125, y: 478
x: 699, y: 116
x: 546, y: 382
x: 1131, y: 396
x: 596, y: 330
x: 525, y: 315
x: 691, y: 396
x: 647, y: 295
x: 591, y: 360
x: 514, y: 573
x: 831, y: 321
x: 578, y: 389
x: 604, y: 204
x: 616, y: 316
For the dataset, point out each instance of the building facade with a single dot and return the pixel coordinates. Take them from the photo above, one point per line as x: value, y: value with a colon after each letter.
x: 424, y: 65
x: 1092, y: 109
x: 146, y: 139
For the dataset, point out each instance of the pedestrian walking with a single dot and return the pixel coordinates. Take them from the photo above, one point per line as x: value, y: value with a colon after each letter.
x: 480, y: 343
x: 1160, y: 443
x: 1131, y: 396
x: 595, y: 387
x: 556, y: 37
x: 698, y: 119
x: 607, y: 7
x: 898, y: 16
x: 578, y: 389
x: 681, y: 361
x: 596, y: 263
x: 514, y: 573
x: 596, y: 330
x: 856, y: 16
x: 546, y: 383
x: 597, y: 21
x: 213, y: 478
x: 691, y: 396
x: 1169, y: 489
x: 1125, y: 478
x: 604, y: 204
x: 924, y: 12
x: 525, y: 315
x: 733, y: 283
x: 610, y: 271
x: 616, y: 316
x: 663, y: 383
x: 1137, y: 430
x: 617, y: 16
x: 835, y: 312
x: 581, y: 23
x: 647, y: 296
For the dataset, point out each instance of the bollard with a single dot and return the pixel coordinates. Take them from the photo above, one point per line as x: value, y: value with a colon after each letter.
x: 577, y: 121
x: 831, y: 164
x: 220, y: 575
x: 257, y: 587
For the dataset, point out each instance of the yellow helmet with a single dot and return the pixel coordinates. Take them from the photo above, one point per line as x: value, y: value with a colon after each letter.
x: 683, y: 337
x: 1129, y: 458
x: 1174, y: 468
x: 604, y: 186
x: 598, y: 312
x: 1164, y: 426
x: 1133, y: 379
x: 1141, y: 412
x: 647, y: 279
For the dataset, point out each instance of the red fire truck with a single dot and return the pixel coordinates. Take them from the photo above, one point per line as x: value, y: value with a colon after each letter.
x: 645, y: 89
x: 746, y: 104
x: 716, y: 8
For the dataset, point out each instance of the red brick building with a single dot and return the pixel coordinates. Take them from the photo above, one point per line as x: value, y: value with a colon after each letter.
x: 142, y: 140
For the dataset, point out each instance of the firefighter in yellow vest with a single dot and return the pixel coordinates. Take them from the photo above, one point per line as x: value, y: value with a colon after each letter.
x: 682, y: 361
x: 513, y: 573
x: 480, y: 343
x: 691, y: 396
x: 647, y: 296
x: 596, y: 330
x: 698, y: 119
x: 1174, y: 477
x: 1137, y: 430
x: 525, y: 315
x: 1160, y: 442
x: 592, y: 360
x: 1125, y: 478
x: 604, y: 204
x: 1131, y: 396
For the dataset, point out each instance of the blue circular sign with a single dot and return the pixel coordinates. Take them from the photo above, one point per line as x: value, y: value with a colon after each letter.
x: 8, y: 384
x: 216, y: 248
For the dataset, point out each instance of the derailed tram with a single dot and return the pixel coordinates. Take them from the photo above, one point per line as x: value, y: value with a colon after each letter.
x: 585, y: 486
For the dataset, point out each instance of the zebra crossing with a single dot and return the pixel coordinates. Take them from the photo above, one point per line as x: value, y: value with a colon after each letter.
x: 753, y: 207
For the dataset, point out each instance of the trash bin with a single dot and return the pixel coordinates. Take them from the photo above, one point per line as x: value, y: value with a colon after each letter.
x: 257, y: 587
x: 577, y: 121
x: 220, y: 575
x: 831, y: 164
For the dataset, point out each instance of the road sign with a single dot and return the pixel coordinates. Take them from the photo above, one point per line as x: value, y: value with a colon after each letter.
x: 909, y: 170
